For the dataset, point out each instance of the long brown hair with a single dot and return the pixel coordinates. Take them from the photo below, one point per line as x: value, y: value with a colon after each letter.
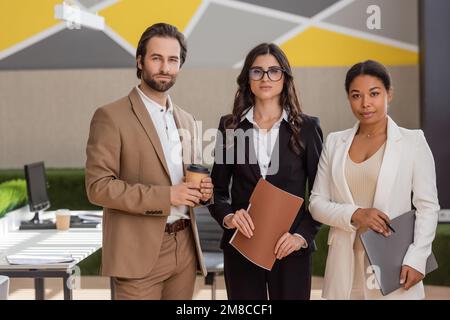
x: 245, y: 99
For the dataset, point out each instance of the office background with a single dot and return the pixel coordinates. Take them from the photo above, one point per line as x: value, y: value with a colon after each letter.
x: 52, y: 78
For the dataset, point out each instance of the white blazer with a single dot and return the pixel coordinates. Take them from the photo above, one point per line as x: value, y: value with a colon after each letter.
x: 407, y: 167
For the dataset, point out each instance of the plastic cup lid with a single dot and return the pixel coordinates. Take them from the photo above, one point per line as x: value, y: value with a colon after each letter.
x: 198, y: 168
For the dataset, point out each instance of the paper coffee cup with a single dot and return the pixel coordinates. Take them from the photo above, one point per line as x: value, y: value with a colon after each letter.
x: 62, y: 219
x: 195, y: 173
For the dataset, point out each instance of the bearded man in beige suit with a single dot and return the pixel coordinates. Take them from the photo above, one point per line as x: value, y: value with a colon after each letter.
x: 137, y: 152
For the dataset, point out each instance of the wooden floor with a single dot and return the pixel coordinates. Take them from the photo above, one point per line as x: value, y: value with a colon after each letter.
x: 97, y: 288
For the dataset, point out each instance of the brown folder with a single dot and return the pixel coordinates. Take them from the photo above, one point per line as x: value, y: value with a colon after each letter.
x: 272, y: 211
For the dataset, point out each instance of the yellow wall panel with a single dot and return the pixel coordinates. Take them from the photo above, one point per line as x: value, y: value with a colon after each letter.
x: 318, y: 47
x: 129, y: 18
x: 22, y: 19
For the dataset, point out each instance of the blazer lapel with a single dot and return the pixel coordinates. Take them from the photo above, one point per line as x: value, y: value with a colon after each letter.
x: 147, y: 123
x: 338, y: 170
x: 389, y: 167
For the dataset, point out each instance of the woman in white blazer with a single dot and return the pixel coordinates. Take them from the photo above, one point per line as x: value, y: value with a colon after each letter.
x: 366, y: 177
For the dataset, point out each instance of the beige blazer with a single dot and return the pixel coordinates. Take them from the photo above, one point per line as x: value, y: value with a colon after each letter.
x: 127, y: 174
x: 407, y: 167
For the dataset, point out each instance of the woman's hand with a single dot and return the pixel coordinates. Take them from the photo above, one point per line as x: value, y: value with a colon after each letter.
x: 410, y: 276
x: 372, y: 218
x: 242, y: 221
x: 287, y: 244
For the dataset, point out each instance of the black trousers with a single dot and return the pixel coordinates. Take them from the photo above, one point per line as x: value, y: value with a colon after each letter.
x: 289, y: 279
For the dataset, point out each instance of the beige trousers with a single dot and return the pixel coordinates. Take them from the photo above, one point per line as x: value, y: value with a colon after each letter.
x: 172, y: 277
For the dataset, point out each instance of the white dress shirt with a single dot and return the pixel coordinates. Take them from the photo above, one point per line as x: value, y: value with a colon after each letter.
x: 166, y: 128
x: 264, y: 140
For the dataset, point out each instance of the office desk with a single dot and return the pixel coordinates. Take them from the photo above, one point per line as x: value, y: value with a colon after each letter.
x: 78, y: 242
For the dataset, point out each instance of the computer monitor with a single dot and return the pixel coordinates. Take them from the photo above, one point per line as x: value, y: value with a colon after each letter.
x: 37, y: 196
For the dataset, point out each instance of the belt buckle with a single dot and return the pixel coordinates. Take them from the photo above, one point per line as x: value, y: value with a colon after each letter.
x: 172, y: 227
x: 177, y: 226
x: 169, y: 229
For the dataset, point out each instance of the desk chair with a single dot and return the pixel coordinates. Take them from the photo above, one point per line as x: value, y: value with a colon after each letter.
x: 210, y: 234
x: 4, y: 288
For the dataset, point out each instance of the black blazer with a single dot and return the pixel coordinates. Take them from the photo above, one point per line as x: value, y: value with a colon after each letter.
x: 293, y: 174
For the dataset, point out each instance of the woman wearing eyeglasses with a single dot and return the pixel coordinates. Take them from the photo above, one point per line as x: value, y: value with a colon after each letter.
x: 267, y: 136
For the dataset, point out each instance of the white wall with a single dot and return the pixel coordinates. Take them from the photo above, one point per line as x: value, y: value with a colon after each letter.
x: 45, y: 115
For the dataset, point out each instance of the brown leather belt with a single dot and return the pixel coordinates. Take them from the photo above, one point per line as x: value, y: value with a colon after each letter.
x: 177, y: 226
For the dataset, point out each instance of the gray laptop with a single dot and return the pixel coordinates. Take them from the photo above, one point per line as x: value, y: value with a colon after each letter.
x: 387, y: 253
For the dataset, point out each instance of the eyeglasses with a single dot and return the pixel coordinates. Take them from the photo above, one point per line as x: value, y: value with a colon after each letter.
x: 273, y: 73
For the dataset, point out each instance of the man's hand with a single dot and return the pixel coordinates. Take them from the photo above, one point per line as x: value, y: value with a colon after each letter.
x: 242, y: 221
x: 185, y: 193
x: 372, y: 218
x: 287, y: 244
x: 206, y: 188
x: 410, y: 276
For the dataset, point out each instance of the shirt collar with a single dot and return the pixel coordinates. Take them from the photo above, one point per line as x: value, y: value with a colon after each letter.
x: 249, y: 116
x: 153, y: 103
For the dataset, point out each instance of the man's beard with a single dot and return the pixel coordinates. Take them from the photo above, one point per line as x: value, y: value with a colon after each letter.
x: 157, y: 85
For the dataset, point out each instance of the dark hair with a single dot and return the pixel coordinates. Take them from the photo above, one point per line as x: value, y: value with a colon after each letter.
x: 163, y: 30
x: 244, y: 98
x: 370, y: 68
